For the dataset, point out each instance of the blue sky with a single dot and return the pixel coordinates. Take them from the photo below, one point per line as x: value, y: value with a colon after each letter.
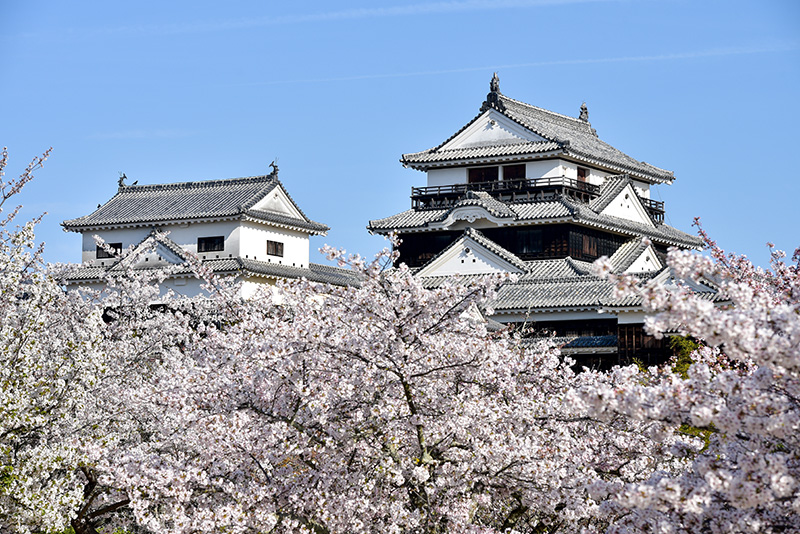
x: 337, y: 91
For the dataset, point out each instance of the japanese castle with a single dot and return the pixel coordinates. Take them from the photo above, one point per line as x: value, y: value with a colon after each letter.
x: 249, y: 228
x: 518, y: 189
x: 524, y: 190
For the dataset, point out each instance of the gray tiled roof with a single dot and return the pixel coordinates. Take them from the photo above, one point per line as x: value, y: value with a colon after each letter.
x: 661, y: 233
x: 486, y: 201
x: 627, y: 254
x: 224, y: 266
x: 567, y: 135
x: 143, y: 204
x: 532, y: 295
x: 280, y: 218
x: 559, y: 268
x: 612, y: 187
x: 559, y: 210
x: 478, y: 152
x: 581, y: 139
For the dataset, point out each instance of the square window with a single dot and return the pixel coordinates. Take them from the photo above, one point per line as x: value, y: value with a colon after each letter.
x: 210, y: 244
x: 514, y: 172
x: 103, y: 253
x: 275, y: 248
x: 482, y: 174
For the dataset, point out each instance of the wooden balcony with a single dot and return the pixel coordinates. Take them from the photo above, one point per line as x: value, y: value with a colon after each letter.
x: 655, y: 208
x: 520, y: 190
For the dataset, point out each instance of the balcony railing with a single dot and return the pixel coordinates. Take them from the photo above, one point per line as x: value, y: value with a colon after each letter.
x: 520, y: 190
x: 655, y: 208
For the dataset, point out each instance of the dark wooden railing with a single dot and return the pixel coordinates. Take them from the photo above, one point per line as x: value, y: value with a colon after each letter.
x: 655, y: 208
x: 519, y: 190
x: 504, y: 186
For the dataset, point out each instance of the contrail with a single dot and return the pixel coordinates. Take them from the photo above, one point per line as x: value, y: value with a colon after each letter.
x: 425, y: 8
x: 715, y: 52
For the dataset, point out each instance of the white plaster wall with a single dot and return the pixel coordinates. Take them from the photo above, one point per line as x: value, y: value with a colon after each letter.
x: 626, y: 206
x: 448, y: 176
x: 253, y: 244
x: 459, y: 261
x: 126, y: 236
x: 645, y: 263
x: 545, y: 168
x: 594, y: 176
x: 184, y: 235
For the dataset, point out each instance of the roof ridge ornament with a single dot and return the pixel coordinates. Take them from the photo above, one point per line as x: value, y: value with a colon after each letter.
x: 493, y: 98
x: 274, y: 166
x: 584, y: 116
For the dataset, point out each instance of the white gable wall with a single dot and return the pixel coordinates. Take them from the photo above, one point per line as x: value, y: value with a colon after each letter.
x: 646, y: 262
x: 627, y: 206
x: 491, y: 127
x: 467, y: 256
x: 277, y: 201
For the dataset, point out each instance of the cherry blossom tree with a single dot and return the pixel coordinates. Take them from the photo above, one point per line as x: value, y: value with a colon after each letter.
x: 47, y: 369
x: 743, y: 389
x: 381, y: 408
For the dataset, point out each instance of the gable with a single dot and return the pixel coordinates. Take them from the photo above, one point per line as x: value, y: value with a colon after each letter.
x: 626, y: 205
x: 646, y: 262
x: 467, y: 256
x: 277, y: 201
x: 151, y: 253
x: 492, y: 128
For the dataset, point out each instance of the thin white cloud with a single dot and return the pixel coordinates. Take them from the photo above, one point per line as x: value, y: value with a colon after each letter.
x: 145, y: 134
x: 698, y: 54
x: 418, y: 9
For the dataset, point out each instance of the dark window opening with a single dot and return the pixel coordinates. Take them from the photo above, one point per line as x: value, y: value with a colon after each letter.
x: 582, y: 174
x: 210, y: 244
x: 514, y: 172
x: 483, y: 174
x: 590, y: 245
x: 103, y: 253
x: 275, y: 248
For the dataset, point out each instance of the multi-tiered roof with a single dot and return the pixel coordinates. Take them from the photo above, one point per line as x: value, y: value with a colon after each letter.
x: 586, y: 192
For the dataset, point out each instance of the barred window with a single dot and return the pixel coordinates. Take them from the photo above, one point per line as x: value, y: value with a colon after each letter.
x: 210, y: 244
x: 103, y: 253
x: 275, y: 248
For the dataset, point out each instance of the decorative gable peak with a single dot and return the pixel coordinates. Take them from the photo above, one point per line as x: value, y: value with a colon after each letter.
x: 493, y: 98
x: 472, y: 254
x: 491, y: 128
x: 584, y: 116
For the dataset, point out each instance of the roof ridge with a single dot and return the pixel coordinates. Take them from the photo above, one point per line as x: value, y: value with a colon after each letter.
x: 196, y: 183
x: 576, y: 120
x: 496, y: 248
